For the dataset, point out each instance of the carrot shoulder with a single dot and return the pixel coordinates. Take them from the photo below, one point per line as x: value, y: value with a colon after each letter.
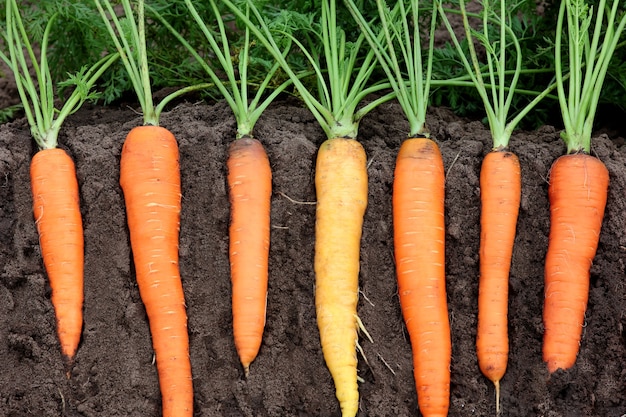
x: 57, y: 214
x: 577, y: 192
x: 419, y: 242
x: 500, y: 193
x: 341, y: 186
x: 250, y: 186
x: 150, y: 179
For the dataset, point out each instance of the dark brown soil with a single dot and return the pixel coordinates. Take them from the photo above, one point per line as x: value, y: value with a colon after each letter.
x: 114, y: 374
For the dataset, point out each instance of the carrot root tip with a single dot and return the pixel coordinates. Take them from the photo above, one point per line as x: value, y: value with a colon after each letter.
x: 68, y: 364
x: 496, y: 384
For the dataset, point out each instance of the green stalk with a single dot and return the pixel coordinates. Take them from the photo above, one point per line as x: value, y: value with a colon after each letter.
x: 497, y: 101
x: 134, y: 56
x: 137, y: 71
x: 588, y: 61
x: 37, y: 95
x: 340, y: 90
x: 412, y: 89
x: 235, y: 89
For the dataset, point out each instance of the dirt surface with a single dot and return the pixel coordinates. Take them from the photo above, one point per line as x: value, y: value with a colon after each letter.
x: 114, y: 374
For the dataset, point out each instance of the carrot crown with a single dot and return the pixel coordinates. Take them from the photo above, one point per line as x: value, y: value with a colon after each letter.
x: 589, y: 55
x: 37, y: 95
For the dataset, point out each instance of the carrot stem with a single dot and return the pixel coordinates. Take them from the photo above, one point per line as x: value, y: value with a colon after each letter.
x: 37, y: 92
x: 342, y: 84
x: 579, y: 103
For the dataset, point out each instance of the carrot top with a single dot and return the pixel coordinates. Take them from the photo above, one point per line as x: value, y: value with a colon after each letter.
x: 130, y: 41
x: 400, y: 30
x: 342, y: 71
x: 37, y: 95
x: 235, y: 89
x: 497, y: 96
x: 589, y: 58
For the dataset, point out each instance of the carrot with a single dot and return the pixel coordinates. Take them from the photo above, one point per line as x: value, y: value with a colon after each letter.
x: 418, y: 200
x: 250, y: 186
x: 57, y: 214
x: 54, y: 185
x: 500, y: 177
x: 341, y: 186
x: 150, y: 180
x: 578, y: 181
x: 249, y: 177
x: 419, y: 242
x: 578, y: 192
x: 500, y: 192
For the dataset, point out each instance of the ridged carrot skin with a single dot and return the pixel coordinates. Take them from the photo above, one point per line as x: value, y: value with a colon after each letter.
x: 150, y: 179
x: 341, y: 186
x: 250, y: 187
x: 419, y: 243
x: 500, y: 194
x: 578, y: 192
x: 56, y: 209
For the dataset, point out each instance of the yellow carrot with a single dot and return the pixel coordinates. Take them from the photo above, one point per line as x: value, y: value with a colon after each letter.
x: 341, y: 185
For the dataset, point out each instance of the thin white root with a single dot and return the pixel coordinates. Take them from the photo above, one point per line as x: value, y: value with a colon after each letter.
x: 386, y: 364
x: 296, y: 201
x: 360, y: 349
x: 451, y: 165
x: 280, y: 227
x: 363, y: 329
x: 497, y: 386
x: 366, y: 299
x: 62, y: 400
x: 369, y: 163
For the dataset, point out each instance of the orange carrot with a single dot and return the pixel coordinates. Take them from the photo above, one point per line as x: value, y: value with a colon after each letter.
x: 250, y: 186
x: 419, y: 241
x: 500, y: 178
x: 579, y: 182
x: 500, y: 192
x: 578, y: 192
x: 56, y: 206
x: 150, y: 179
x: 59, y: 223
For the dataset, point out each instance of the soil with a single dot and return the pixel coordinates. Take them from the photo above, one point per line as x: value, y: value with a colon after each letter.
x: 114, y: 374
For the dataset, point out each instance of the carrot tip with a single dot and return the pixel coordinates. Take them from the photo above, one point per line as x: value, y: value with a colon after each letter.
x: 246, y: 370
x: 497, y: 387
x: 68, y: 364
